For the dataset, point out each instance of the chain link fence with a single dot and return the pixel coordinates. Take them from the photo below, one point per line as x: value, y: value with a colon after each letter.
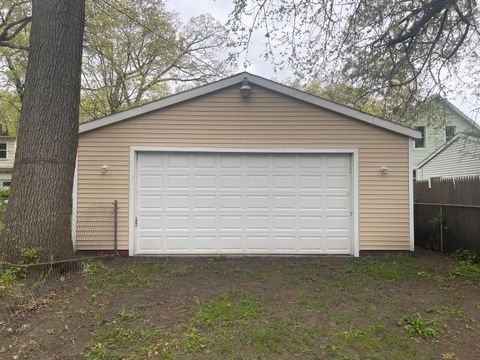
x: 29, y: 284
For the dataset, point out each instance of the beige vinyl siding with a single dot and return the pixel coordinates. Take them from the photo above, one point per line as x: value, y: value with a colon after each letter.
x: 264, y: 120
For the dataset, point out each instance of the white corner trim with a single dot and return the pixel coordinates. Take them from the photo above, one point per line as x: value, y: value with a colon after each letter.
x: 410, y: 194
x: 132, y: 201
x: 134, y: 150
x: 256, y: 80
x: 75, y: 204
x: 356, y: 213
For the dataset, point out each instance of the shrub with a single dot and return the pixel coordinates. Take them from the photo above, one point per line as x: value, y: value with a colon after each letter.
x: 434, y: 241
x: 4, y: 194
x: 465, y: 256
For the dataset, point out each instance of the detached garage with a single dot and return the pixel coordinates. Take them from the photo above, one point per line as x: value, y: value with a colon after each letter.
x: 246, y: 165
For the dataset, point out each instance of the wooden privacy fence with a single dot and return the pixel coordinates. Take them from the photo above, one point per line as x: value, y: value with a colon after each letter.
x: 447, y: 214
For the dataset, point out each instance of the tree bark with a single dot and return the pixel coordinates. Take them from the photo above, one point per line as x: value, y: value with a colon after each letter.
x: 40, y: 205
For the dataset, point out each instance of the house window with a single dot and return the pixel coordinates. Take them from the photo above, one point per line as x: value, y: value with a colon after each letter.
x: 3, y: 151
x: 449, y: 132
x: 420, y: 143
x: 6, y: 183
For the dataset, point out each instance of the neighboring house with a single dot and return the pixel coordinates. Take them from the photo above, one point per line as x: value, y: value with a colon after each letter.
x: 7, y: 157
x: 458, y: 157
x: 246, y: 165
x: 445, y: 122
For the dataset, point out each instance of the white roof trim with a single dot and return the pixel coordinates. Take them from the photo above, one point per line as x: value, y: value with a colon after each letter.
x: 457, y: 137
x: 256, y: 80
x: 459, y: 112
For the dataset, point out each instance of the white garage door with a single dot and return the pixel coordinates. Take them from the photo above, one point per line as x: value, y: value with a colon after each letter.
x: 200, y: 203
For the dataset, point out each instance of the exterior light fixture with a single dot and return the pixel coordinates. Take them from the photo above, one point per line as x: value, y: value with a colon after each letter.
x: 245, y: 89
x: 384, y: 170
x: 104, y: 169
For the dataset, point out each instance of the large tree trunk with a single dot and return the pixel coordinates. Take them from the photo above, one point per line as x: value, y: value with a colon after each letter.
x: 40, y: 204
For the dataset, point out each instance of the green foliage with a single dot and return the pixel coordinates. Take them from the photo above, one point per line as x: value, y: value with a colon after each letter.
x: 393, y: 53
x: 129, y: 277
x: 391, y: 268
x: 122, y: 343
x: 225, y: 311
x: 416, y: 325
x: 4, y: 194
x: 252, y: 274
x: 30, y: 255
x: 134, y: 50
x: 10, y: 282
x: 337, y: 89
x: 317, y: 264
x: 128, y: 315
x: 465, y: 256
x: 434, y: 240
x: 468, y: 271
x: 267, y: 340
x: 92, y: 267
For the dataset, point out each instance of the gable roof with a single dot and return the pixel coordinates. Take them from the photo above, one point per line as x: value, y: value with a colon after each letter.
x: 459, y: 136
x: 256, y: 80
x: 457, y: 111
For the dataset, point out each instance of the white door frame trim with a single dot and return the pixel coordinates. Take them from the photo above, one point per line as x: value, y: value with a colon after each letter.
x: 134, y: 150
x: 410, y: 194
x: 73, y: 221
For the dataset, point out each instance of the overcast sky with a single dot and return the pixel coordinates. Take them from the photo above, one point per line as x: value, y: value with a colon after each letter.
x: 220, y: 9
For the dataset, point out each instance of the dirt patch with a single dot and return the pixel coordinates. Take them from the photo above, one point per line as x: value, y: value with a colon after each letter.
x: 285, y: 307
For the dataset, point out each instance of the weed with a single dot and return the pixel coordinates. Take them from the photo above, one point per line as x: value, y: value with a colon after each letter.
x: 224, y: 311
x: 416, y: 325
x: 392, y: 268
x: 252, y: 275
x: 92, y: 267
x: 126, y: 315
x: 465, y: 270
x: 30, y: 255
x: 458, y: 314
x: 266, y: 339
x: 311, y: 302
x: 317, y: 264
x: 128, y: 277
x: 121, y: 343
x: 465, y: 256
x: 365, y: 340
x: 98, y: 318
x: 424, y: 275
x: 192, y: 340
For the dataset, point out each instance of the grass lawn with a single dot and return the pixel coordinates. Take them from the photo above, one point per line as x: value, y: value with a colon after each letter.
x: 390, y: 306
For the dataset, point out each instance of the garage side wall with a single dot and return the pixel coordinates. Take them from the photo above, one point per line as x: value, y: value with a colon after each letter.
x: 264, y: 120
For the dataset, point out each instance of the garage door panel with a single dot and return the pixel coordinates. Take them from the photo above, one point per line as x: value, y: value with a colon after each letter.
x: 258, y: 243
x: 283, y: 202
x: 308, y: 243
x: 230, y: 201
x: 151, y: 243
x: 204, y: 181
x: 204, y: 202
x: 153, y: 223
x: 338, y: 202
x: 284, y: 222
x: 311, y: 182
x: 180, y: 243
x: 243, y: 203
